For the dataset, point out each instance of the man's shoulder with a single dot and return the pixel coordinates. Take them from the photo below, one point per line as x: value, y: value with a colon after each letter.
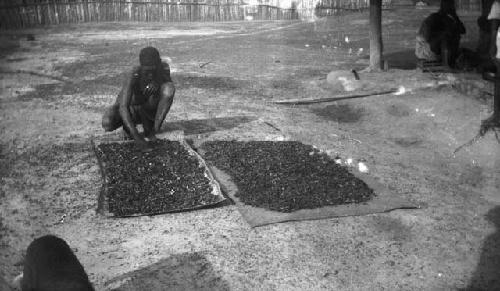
x: 435, y: 16
x: 434, y: 20
x: 165, y: 65
x: 135, y: 72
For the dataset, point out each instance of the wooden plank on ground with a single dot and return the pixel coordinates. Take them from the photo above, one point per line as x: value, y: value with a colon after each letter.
x: 334, y: 98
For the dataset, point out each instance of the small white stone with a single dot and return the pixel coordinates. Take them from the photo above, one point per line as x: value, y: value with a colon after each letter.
x: 401, y: 91
x: 349, y: 162
x: 362, y: 167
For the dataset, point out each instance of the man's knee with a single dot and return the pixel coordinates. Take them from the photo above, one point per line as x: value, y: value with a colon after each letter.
x: 107, y: 123
x: 110, y: 120
x: 168, y: 90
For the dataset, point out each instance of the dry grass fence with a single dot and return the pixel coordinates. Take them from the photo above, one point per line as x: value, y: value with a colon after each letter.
x: 66, y: 11
x: 32, y: 13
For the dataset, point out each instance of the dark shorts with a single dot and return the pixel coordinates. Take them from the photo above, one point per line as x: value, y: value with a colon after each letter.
x: 112, y: 119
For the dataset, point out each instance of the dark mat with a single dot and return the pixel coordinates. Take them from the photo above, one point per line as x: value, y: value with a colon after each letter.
x: 149, y: 184
x: 383, y: 200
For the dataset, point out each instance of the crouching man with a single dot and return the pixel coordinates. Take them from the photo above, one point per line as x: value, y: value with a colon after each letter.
x: 145, y: 98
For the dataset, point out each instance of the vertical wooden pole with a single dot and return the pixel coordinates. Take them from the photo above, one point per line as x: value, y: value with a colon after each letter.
x: 86, y: 8
x: 375, y: 34
x: 21, y: 13
x: 38, y: 13
x: 72, y: 12
x: 66, y: 12
x: 56, y: 14
x: 90, y: 7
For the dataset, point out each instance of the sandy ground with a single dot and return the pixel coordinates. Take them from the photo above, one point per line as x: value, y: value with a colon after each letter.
x: 54, y: 90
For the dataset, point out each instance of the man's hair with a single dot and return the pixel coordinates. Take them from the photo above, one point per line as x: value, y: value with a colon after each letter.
x: 448, y: 6
x: 149, y: 56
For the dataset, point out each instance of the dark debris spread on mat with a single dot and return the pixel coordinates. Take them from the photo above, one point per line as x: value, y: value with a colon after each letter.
x: 285, y: 176
x: 163, y: 180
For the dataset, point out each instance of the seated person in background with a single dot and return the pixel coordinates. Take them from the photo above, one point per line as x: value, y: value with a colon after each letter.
x: 145, y: 99
x: 493, y: 122
x: 438, y: 38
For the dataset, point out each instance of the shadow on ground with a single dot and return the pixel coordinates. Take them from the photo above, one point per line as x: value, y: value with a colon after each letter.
x: 188, y: 271
x: 342, y: 113
x: 487, y: 274
x: 201, y: 126
x: 404, y: 60
x: 206, y: 82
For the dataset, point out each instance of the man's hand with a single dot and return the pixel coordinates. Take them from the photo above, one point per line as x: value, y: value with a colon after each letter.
x: 152, y: 137
x: 492, y: 52
x: 144, y: 146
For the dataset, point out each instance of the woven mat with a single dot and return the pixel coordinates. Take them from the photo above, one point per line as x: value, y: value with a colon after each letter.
x: 383, y: 202
x: 103, y: 199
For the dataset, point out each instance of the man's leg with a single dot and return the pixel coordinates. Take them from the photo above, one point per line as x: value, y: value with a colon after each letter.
x: 126, y: 134
x: 166, y: 98
x: 496, y: 97
x: 450, y: 50
x: 136, y: 116
x: 111, y: 119
x: 445, y: 54
x: 148, y: 124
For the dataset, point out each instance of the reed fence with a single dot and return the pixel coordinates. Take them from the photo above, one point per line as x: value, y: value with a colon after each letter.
x: 32, y: 13
x: 59, y: 12
x: 315, y: 8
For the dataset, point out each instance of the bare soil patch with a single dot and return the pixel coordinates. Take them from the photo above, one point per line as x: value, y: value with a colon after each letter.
x: 50, y: 179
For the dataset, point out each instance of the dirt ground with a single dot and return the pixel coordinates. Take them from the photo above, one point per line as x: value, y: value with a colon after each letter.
x: 55, y: 88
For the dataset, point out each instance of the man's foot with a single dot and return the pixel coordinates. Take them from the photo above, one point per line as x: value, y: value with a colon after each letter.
x: 491, y: 123
x: 488, y: 76
x: 144, y: 146
x: 126, y: 135
x: 152, y: 138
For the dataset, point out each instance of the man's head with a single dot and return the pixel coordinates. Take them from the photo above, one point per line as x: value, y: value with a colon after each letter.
x: 448, y: 6
x: 150, y: 61
x: 149, y: 57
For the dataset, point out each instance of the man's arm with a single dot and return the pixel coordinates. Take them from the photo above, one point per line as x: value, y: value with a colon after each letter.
x: 425, y: 27
x: 461, y: 26
x: 494, y: 24
x: 124, y: 103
